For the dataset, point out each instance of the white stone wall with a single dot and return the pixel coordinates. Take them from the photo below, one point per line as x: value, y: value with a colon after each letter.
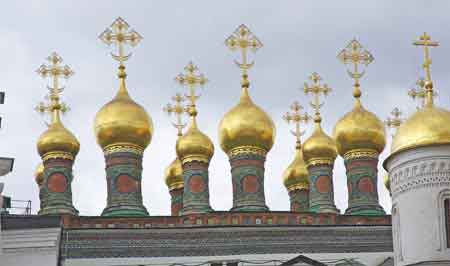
x: 420, y: 179
x: 30, y: 247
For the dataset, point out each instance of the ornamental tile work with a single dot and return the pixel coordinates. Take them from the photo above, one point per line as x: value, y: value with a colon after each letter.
x: 299, y: 199
x: 123, y: 176
x: 176, y: 201
x: 218, y: 241
x: 247, y: 173
x: 196, y: 190
x: 362, y: 186
x: 56, y: 192
x: 321, y: 195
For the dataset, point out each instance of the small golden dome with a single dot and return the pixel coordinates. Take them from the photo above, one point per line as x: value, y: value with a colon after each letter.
x: 359, y: 129
x: 296, y: 175
x: 430, y: 125
x: 122, y: 120
x: 387, y: 182
x: 195, y: 144
x: 57, y: 138
x: 246, y: 124
x: 174, y: 175
x: 39, y: 174
x: 319, y: 146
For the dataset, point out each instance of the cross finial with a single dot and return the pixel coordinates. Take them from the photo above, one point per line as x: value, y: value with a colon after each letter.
x: 120, y: 34
x: 178, y: 110
x: 355, y: 54
x: 425, y: 41
x: 54, y: 71
x: 395, y: 120
x: 297, y: 118
x: 243, y: 39
x: 316, y: 89
x: 191, y: 78
x: 420, y: 93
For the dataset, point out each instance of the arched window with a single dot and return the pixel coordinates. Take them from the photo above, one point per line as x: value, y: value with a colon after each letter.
x: 447, y: 220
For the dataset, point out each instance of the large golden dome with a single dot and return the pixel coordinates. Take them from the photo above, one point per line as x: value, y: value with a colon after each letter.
x: 319, y: 146
x: 296, y: 175
x: 430, y: 125
x: 194, y: 144
x: 57, y: 139
x: 359, y: 129
x: 246, y: 124
x: 122, y: 120
x: 39, y: 174
x: 174, y: 175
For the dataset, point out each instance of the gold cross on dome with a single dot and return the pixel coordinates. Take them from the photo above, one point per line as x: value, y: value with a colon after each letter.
x: 191, y: 78
x: 120, y: 34
x: 243, y: 39
x: 394, y: 121
x: 355, y: 54
x: 178, y: 110
x: 55, y: 71
x: 297, y: 118
x: 316, y: 89
x: 420, y: 93
x: 425, y: 41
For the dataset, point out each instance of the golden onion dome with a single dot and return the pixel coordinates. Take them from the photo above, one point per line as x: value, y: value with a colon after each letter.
x: 296, y: 175
x: 387, y: 182
x: 319, y: 146
x: 359, y: 129
x: 246, y: 124
x: 194, y: 144
x: 430, y: 125
x: 122, y: 120
x: 57, y: 139
x: 39, y: 174
x: 174, y: 175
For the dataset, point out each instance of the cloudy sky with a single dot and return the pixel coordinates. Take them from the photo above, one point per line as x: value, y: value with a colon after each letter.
x: 299, y: 37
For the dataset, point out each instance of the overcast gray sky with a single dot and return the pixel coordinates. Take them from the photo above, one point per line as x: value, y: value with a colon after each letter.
x: 299, y: 37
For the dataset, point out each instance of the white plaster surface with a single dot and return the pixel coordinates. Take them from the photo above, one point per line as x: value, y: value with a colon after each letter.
x: 418, y: 177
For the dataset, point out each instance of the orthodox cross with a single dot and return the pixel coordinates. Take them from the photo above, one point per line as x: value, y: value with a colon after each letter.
x: 316, y: 89
x: 120, y: 34
x: 191, y: 78
x: 178, y: 110
x: 355, y: 54
x: 425, y: 41
x: 243, y: 39
x: 296, y: 117
x: 54, y: 71
x: 394, y: 121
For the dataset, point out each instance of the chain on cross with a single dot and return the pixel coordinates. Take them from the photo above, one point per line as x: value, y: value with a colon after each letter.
x: 295, y: 116
x: 191, y: 78
x: 178, y: 110
x: 394, y: 121
x: 316, y: 89
x: 355, y: 54
x: 243, y: 39
x: 54, y: 71
x: 120, y: 34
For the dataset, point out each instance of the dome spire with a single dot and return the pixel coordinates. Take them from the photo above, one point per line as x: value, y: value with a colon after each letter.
x: 56, y: 144
x: 178, y: 110
x: 244, y: 40
x: 355, y: 55
x: 296, y: 117
x: 120, y: 34
x: 54, y: 71
x: 316, y: 89
x: 124, y: 130
x: 173, y: 174
x: 426, y: 42
x: 194, y: 148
